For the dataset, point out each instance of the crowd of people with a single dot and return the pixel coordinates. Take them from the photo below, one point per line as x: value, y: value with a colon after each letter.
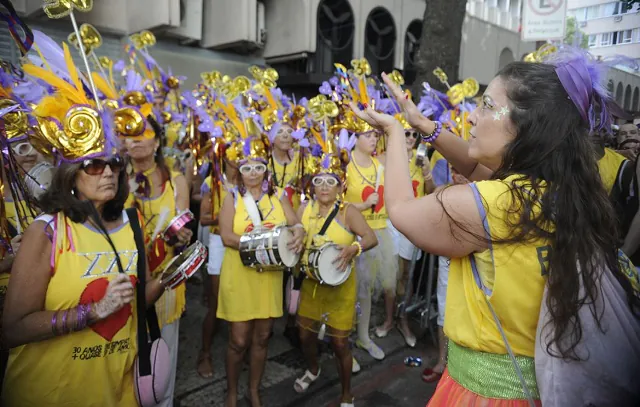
x: 315, y: 208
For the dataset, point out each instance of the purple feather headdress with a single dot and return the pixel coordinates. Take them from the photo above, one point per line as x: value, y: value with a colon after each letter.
x: 582, y: 76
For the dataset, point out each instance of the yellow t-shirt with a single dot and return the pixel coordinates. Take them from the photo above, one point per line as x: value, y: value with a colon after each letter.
x: 417, y: 179
x: 608, y: 166
x: 92, y: 367
x: 361, y: 183
x: 286, y: 178
x: 171, y: 304
x: 512, y: 277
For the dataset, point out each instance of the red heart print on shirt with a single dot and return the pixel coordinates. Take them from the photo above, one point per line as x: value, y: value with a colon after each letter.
x: 109, y: 327
x: 267, y: 225
x: 290, y: 192
x: 368, y: 191
x: 415, y: 184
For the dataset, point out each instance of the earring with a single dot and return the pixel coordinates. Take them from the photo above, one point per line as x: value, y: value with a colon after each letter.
x: 73, y: 192
x: 265, y: 186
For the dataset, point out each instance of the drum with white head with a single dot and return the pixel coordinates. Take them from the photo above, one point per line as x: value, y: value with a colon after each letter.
x: 321, y: 265
x: 38, y: 179
x: 267, y: 249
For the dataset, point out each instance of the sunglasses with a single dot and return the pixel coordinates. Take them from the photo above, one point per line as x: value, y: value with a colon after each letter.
x: 330, y: 181
x: 411, y: 134
x: 247, y: 169
x: 96, y: 166
x: 22, y: 149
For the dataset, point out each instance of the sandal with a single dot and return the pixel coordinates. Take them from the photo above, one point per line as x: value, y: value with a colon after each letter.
x: 204, y: 371
x: 302, y: 384
x: 430, y: 376
x: 345, y: 404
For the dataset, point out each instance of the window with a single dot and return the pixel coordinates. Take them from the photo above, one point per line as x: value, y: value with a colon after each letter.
x: 624, y: 37
x: 610, y: 9
x: 593, y: 12
x: 593, y: 40
x: 606, y: 39
x: 581, y: 14
x: 635, y: 35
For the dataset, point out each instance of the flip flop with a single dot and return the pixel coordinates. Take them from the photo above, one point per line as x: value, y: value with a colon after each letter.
x: 429, y: 376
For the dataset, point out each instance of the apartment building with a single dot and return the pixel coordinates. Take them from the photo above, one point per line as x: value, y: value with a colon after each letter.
x: 613, y: 31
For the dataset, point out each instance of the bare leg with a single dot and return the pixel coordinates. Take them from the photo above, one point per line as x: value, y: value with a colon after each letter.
x: 389, y: 307
x: 408, y: 287
x: 310, y: 349
x: 239, y: 339
x: 259, y: 345
x: 205, y: 368
x: 343, y: 359
x: 442, y: 348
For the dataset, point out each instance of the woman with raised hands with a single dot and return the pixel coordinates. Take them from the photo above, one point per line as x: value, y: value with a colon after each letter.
x: 520, y: 282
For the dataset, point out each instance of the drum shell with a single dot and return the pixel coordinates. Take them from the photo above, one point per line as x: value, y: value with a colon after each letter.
x: 314, y: 270
x: 260, y: 249
x: 40, y: 175
x: 184, y: 265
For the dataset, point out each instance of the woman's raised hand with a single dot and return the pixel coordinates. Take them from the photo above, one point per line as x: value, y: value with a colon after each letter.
x: 411, y: 112
x: 120, y: 292
x: 379, y: 121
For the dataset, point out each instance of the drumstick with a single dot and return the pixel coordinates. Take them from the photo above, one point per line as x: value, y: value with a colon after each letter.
x: 160, y: 223
x: 378, y: 176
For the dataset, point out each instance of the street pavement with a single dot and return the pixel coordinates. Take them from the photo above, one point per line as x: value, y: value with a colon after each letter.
x: 379, y: 384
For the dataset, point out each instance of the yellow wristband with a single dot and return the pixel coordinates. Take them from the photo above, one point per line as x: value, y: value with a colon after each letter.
x: 359, y: 246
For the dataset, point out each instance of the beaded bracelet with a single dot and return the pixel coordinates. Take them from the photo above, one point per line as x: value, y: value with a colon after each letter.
x: 359, y: 246
x: 54, y: 323
x: 430, y: 138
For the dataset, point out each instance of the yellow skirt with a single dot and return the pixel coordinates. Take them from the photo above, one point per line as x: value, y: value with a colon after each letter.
x: 245, y: 294
x: 324, y: 304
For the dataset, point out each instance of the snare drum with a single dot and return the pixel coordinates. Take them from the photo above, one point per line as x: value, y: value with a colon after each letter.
x: 39, y: 178
x: 170, y: 233
x: 320, y: 265
x: 266, y: 249
x: 184, y: 265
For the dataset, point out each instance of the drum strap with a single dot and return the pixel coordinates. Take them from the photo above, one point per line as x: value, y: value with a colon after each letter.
x: 252, y: 209
x: 327, y: 222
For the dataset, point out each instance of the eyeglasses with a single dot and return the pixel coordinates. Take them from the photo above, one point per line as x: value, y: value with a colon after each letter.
x: 22, y: 149
x: 330, y: 181
x: 96, y: 166
x: 247, y: 169
x: 411, y: 134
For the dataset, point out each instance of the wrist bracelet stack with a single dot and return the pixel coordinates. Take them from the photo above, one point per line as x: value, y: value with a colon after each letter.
x: 430, y: 138
x: 82, y: 320
x: 359, y: 246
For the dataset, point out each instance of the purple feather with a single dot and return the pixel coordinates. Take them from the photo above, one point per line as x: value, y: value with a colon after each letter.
x: 325, y: 89
x: 273, y: 131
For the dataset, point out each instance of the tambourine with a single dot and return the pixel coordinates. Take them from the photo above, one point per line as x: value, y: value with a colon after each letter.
x: 170, y: 233
x: 184, y: 265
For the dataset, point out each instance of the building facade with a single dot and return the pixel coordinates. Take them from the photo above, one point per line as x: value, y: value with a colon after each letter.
x: 613, y: 31
x: 302, y: 39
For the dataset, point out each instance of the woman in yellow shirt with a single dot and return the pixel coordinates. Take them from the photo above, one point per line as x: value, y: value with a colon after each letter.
x: 324, y: 308
x: 213, y: 192
x: 70, y: 315
x: 514, y: 234
x: 248, y: 299
x: 160, y: 194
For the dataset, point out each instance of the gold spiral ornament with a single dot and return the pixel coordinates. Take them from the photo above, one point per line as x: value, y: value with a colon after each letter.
x: 134, y: 98
x: 16, y: 123
x: 129, y: 122
x: 46, y: 136
x: 82, y: 133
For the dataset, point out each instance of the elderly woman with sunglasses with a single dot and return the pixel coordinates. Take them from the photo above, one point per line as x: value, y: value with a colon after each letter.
x: 70, y: 313
x: 326, y: 309
x: 160, y: 194
x: 248, y: 299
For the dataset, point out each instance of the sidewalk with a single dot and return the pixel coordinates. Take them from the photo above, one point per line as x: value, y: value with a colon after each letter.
x: 284, y: 363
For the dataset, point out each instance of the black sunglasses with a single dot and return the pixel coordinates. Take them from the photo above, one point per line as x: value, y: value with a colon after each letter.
x: 411, y: 134
x: 96, y: 166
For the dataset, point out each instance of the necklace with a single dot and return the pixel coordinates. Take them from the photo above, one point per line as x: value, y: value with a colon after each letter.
x: 375, y: 171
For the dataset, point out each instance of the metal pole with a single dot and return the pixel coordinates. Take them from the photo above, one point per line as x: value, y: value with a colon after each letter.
x: 86, y: 61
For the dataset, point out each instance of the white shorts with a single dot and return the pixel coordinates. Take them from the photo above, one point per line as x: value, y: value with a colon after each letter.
x: 403, y: 247
x: 216, y: 253
x: 441, y: 289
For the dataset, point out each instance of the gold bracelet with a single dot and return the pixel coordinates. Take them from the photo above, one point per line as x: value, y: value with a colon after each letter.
x: 359, y: 246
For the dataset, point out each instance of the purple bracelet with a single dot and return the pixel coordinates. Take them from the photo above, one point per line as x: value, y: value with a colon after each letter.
x: 430, y: 138
x: 64, y: 321
x: 54, y: 323
x: 82, y: 314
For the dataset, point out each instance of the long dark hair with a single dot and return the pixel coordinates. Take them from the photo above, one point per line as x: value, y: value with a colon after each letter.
x: 61, y: 196
x: 159, y: 156
x: 563, y: 200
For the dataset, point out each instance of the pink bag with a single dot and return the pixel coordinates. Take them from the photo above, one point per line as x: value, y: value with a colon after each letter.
x: 150, y: 387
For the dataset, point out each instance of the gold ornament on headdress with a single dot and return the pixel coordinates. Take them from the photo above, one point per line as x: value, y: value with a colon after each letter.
x: 322, y: 109
x: 232, y: 88
x: 61, y: 8
x: 396, y: 77
x: 90, y: 37
x: 441, y: 75
x: 465, y: 90
x: 129, y: 122
x: 541, y: 53
x: 143, y: 39
x: 211, y: 79
x: 16, y: 123
x: 134, y: 98
x: 105, y: 62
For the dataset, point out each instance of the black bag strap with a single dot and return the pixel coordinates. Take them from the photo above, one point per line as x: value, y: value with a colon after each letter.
x: 147, y: 317
x: 327, y: 222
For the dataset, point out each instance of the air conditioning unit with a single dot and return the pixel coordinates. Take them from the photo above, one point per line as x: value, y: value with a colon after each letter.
x: 153, y: 14
x: 28, y: 8
x: 583, y: 24
x: 617, y: 19
x: 190, y: 21
x: 234, y: 24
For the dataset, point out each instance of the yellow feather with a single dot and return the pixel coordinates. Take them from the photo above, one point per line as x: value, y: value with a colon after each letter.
x: 61, y: 85
x: 104, y: 87
x: 71, y: 67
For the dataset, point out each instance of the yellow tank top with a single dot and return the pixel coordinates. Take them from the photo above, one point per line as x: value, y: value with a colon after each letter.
x: 93, y: 367
x: 285, y: 177
x: 608, y: 167
x: 12, y: 215
x: 361, y: 183
x: 270, y: 208
x: 172, y: 303
x: 417, y: 179
x: 336, y: 233
x: 511, y: 277
x: 216, y: 200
